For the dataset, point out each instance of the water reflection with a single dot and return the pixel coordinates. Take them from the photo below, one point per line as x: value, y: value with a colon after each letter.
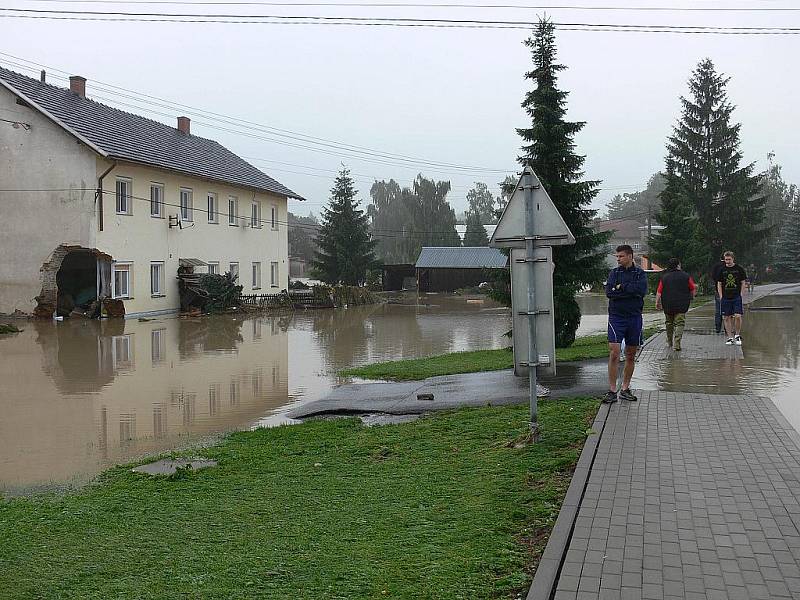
x: 79, y: 396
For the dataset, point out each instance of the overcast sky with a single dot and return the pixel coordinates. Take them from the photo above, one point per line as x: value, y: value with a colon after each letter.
x: 435, y: 95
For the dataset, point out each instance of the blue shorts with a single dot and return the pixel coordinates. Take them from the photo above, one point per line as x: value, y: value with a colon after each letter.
x: 625, y: 328
x: 731, y: 306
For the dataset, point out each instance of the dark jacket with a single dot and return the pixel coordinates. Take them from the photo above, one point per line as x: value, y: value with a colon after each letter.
x: 626, y: 289
x: 676, y: 293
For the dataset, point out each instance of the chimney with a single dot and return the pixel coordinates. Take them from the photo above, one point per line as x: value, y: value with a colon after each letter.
x: 78, y: 85
x: 183, y: 125
x: 43, y: 76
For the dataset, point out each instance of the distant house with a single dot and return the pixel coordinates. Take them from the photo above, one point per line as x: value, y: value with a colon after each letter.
x: 633, y: 233
x: 100, y: 203
x: 448, y: 269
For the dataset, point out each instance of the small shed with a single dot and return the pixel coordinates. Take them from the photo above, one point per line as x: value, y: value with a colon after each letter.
x: 450, y: 268
x: 399, y: 277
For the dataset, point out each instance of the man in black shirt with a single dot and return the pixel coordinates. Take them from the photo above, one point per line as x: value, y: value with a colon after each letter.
x: 731, y: 282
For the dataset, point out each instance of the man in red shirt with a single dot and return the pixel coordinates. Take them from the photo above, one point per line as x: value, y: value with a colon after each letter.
x: 675, y: 292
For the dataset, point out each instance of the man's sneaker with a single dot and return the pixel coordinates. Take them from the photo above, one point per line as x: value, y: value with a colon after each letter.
x: 610, y: 397
x: 737, y: 340
x: 729, y: 342
x: 627, y: 395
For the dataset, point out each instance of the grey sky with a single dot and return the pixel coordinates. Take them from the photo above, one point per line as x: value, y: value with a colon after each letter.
x: 444, y: 95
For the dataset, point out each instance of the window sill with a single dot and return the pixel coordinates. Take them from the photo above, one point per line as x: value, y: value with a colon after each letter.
x: 157, y: 217
x: 158, y: 295
x: 124, y: 214
x: 274, y: 286
x: 213, y: 222
x: 232, y: 225
x: 256, y: 288
x: 122, y: 298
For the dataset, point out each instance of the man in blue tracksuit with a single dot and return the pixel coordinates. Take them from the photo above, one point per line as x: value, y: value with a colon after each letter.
x: 626, y: 288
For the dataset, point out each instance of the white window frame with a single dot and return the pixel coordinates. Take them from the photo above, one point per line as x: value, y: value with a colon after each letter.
x: 256, y: 275
x: 157, y: 200
x: 157, y: 282
x: 233, y: 269
x: 158, y: 345
x: 122, y: 350
x: 124, y: 197
x: 255, y: 214
x: 273, y: 274
x: 187, y: 208
x: 213, y: 207
x: 122, y: 267
x: 233, y: 211
x: 213, y: 268
x: 273, y: 217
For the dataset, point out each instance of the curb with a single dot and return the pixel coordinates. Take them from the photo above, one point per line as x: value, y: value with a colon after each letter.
x: 546, y: 576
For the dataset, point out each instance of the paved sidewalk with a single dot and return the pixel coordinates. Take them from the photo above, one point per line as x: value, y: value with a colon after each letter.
x: 697, y: 344
x: 691, y: 496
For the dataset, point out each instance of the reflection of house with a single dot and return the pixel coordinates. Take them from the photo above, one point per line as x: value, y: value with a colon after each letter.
x: 633, y: 233
x: 111, y: 202
x: 448, y: 269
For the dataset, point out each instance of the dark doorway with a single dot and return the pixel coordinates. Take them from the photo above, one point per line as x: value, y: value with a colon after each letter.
x: 77, y: 282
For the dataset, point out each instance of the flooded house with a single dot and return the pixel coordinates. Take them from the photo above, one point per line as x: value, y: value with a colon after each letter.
x: 97, y: 203
x: 446, y: 269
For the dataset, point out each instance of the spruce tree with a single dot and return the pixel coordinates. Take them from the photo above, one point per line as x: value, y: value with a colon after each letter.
x: 475, y: 235
x: 704, y: 172
x: 550, y: 149
x: 787, y: 255
x: 345, y: 249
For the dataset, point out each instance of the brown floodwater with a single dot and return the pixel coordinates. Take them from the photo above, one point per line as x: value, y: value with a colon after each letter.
x: 79, y: 396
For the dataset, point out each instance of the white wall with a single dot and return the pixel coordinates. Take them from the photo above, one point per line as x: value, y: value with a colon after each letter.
x: 33, y: 224
x: 141, y: 239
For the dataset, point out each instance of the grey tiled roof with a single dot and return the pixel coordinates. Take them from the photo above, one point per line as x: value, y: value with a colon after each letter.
x: 126, y: 136
x: 461, y: 258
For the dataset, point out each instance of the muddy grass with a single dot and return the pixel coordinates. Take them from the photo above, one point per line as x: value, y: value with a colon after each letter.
x: 439, y: 508
x: 8, y: 328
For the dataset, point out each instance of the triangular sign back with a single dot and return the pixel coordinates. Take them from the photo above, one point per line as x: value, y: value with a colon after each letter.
x: 549, y: 227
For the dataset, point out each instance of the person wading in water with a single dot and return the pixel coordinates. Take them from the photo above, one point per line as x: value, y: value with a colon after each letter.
x: 675, y: 292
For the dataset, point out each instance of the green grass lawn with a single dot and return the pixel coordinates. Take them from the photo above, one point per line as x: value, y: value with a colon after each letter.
x: 445, y: 507
x: 592, y: 346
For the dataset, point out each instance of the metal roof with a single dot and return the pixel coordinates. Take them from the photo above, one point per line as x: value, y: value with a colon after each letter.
x: 461, y: 258
x: 126, y: 136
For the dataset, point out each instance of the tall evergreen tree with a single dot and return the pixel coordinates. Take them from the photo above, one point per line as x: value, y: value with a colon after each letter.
x: 787, y: 255
x: 704, y: 171
x: 345, y: 248
x: 550, y: 149
x: 475, y: 235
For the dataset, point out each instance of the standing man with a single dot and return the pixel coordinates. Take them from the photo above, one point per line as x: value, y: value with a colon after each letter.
x: 730, y: 286
x: 675, y: 291
x: 626, y: 288
x: 717, y: 298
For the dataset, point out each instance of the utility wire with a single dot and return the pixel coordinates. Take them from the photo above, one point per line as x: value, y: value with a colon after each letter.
x: 382, y: 22
x: 440, y: 5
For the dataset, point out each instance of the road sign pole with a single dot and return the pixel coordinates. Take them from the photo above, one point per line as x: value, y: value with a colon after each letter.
x: 528, y: 187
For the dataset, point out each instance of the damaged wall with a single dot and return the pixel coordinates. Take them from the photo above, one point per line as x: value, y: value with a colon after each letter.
x: 34, y: 223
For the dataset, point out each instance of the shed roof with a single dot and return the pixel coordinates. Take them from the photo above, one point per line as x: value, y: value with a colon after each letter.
x: 126, y: 136
x: 461, y: 258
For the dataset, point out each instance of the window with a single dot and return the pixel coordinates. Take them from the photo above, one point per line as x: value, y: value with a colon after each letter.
x: 122, y: 351
x: 157, y: 200
x: 636, y: 245
x: 255, y: 214
x: 122, y: 280
x: 273, y: 217
x: 256, y: 275
x: 124, y: 196
x: 213, y: 268
x: 213, y: 208
x: 156, y: 278
x: 234, y: 270
x: 233, y: 210
x: 273, y: 274
x: 186, y: 205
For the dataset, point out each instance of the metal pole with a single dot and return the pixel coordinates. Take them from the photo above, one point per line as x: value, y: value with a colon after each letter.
x: 533, y: 357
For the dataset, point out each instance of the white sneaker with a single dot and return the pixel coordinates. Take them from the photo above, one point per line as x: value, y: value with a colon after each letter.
x: 737, y: 340
x: 729, y: 342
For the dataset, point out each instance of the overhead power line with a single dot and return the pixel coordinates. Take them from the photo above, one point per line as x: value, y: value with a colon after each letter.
x: 381, y: 22
x: 440, y: 5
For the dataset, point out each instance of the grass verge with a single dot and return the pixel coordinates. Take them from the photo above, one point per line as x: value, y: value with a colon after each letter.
x: 584, y: 348
x: 445, y: 507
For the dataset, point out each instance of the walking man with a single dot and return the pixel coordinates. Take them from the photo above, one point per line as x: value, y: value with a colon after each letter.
x: 730, y: 286
x: 626, y: 288
x: 717, y: 298
x: 675, y: 292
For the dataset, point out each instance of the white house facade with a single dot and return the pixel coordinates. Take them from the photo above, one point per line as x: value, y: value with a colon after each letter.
x: 99, y: 203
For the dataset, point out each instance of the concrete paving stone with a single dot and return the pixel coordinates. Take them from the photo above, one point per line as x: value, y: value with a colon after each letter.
x: 631, y: 593
x: 568, y: 583
x: 591, y: 570
x: 563, y: 595
x: 589, y: 584
x: 778, y: 589
x: 585, y: 595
